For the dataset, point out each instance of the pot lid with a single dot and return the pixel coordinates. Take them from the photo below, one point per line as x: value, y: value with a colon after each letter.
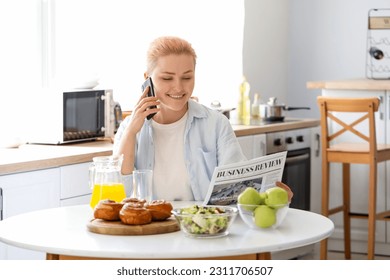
x: 272, y: 101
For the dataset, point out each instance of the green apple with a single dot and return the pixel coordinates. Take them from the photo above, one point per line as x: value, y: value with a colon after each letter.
x: 249, y: 196
x: 263, y: 197
x: 264, y: 216
x: 276, y: 197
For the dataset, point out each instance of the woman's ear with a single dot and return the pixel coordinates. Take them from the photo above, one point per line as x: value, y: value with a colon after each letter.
x: 146, y: 75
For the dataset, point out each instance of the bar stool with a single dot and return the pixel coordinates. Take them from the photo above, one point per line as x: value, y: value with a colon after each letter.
x: 364, y: 152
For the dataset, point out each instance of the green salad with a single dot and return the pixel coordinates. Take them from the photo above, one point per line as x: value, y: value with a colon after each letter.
x: 204, y: 219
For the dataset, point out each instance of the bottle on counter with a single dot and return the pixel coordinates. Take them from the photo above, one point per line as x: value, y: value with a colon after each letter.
x: 244, y: 102
x: 255, y: 108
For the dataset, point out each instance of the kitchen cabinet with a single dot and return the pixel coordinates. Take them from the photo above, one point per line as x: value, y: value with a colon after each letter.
x: 359, y: 172
x: 315, y: 170
x: 26, y: 192
x: 253, y: 145
x: 74, y: 183
x: 36, y: 190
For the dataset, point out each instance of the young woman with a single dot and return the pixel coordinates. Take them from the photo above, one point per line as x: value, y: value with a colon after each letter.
x: 184, y: 141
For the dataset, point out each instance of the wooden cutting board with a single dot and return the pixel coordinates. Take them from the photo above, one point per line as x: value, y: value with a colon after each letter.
x: 118, y: 228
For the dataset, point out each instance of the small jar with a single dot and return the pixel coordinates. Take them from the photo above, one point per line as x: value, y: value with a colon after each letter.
x: 255, y: 110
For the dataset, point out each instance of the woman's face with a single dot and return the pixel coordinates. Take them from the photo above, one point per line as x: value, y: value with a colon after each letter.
x: 174, y: 80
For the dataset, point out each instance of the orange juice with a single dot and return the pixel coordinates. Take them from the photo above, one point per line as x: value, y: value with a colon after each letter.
x: 107, y: 191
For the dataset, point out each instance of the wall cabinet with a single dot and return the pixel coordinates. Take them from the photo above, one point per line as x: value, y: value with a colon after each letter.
x: 360, y: 172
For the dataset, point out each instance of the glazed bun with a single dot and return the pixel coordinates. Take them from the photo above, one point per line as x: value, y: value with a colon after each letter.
x: 107, y: 210
x: 135, y: 201
x: 160, y: 209
x: 133, y: 214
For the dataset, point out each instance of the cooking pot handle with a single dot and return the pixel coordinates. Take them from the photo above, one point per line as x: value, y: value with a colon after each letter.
x: 287, y: 108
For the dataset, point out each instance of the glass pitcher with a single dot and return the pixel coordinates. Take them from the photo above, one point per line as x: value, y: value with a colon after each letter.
x: 105, y: 179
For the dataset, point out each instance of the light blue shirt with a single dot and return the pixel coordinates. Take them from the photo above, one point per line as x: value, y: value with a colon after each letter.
x: 209, y: 141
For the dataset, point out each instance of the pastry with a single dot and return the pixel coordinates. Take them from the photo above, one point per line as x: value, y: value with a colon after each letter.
x: 160, y: 209
x: 107, y: 210
x: 134, y: 200
x: 133, y: 214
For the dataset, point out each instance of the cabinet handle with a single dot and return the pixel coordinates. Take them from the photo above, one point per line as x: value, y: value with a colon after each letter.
x: 381, y: 108
x: 388, y: 103
x: 318, y: 145
x: 295, y: 159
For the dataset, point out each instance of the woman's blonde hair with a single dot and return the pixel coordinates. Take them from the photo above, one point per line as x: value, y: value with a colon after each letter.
x: 167, y: 45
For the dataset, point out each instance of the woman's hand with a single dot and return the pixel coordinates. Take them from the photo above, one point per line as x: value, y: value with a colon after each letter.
x: 128, y: 139
x: 287, y: 188
x: 141, y: 111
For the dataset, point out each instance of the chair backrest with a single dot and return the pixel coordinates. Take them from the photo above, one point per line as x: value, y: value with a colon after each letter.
x: 328, y: 105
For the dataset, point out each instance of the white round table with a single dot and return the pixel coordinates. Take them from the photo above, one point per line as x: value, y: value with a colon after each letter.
x: 63, y: 232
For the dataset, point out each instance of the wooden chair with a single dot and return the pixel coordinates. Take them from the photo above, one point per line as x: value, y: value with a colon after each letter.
x: 364, y: 152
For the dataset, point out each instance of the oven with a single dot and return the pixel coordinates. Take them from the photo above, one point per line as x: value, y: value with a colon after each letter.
x: 297, y: 171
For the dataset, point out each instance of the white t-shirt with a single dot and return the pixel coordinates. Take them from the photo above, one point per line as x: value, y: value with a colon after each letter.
x: 170, y: 177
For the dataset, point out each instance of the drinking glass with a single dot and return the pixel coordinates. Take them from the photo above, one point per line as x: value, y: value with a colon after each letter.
x: 143, y: 184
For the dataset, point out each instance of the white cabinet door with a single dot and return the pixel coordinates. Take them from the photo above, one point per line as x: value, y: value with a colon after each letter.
x: 246, y: 143
x: 75, y: 187
x: 259, y: 145
x: 315, y: 170
x: 253, y: 146
x: 25, y: 192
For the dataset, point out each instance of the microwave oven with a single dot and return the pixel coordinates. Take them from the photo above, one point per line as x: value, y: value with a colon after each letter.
x: 74, y: 116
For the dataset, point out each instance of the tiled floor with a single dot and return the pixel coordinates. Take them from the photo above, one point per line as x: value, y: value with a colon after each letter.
x: 340, y: 256
x: 333, y: 255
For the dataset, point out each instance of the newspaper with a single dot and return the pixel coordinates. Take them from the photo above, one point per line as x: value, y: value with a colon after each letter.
x: 229, y: 181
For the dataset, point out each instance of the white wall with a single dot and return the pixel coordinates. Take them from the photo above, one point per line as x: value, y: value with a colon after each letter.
x: 311, y: 40
x: 265, y: 47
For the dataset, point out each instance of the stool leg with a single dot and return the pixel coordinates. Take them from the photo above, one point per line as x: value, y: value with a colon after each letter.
x: 347, y: 210
x: 372, y: 211
x: 325, y: 204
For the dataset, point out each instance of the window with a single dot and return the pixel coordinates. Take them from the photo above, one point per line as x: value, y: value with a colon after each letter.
x: 85, y: 40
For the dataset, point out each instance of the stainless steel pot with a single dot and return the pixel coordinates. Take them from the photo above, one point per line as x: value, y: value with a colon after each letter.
x: 274, y: 112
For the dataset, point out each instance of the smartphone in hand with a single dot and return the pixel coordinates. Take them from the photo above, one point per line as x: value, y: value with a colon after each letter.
x: 148, y: 82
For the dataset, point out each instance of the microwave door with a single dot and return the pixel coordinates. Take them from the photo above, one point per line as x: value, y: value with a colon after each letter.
x: 83, y: 115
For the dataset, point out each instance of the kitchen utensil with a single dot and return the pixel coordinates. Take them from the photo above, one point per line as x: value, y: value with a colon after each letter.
x: 216, y: 105
x: 274, y: 112
x: 105, y: 179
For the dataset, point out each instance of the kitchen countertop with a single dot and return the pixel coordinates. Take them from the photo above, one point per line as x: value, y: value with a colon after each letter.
x: 31, y: 157
x: 35, y: 157
x: 67, y: 235
x: 352, y: 84
x: 258, y: 127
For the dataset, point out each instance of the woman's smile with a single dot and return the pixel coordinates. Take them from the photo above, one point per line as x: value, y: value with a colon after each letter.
x: 176, y: 96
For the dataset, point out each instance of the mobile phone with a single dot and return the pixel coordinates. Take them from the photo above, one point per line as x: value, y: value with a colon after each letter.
x: 148, y: 82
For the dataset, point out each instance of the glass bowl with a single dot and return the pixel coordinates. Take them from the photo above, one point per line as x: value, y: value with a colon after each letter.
x: 205, y: 221
x: 263, y: 216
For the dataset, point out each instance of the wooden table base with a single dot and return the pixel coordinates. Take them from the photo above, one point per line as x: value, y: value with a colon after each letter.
x: 259, y: 256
